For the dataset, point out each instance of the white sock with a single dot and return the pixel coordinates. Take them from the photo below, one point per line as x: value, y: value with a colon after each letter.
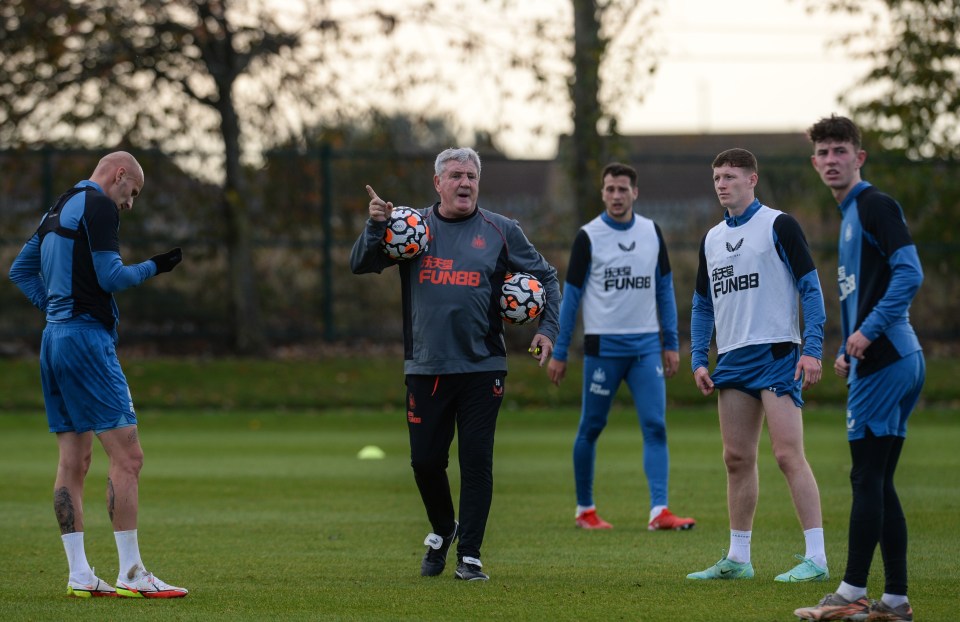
x: 80, y: 571
x: 894, y: 600
x: 739, y: 546
x: 655, y: 511
x: 584, y: 508
x: 815, y: 549
x: 129, y: 552
x: 851, y: 592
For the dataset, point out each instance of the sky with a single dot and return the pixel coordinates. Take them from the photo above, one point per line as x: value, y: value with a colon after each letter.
x: 745, y: 65
x: 726, y: 66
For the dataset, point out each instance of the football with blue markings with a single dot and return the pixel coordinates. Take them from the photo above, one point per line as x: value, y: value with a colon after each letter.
x: 407, y: 235
x: 522, y: 298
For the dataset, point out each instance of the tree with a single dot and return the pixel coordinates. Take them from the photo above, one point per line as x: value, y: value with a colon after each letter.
x: 911, y: 95
x: 145, y: 73
x: 395, y: 154
x: 610, y: 41
x: 210, y: 81
x: 216, y: 82
x: 588, y: 49
x: 909, y: 101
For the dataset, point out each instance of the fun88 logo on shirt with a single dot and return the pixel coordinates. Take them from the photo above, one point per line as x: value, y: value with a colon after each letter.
x: 725, y: 281
x: 439, y: 271
x: 622, y: 278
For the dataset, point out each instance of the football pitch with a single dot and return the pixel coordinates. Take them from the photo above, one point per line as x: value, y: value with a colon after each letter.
x: 268, y: 515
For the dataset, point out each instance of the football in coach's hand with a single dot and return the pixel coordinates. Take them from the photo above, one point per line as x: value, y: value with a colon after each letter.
x: 407, y: 234
x: 522, y: 298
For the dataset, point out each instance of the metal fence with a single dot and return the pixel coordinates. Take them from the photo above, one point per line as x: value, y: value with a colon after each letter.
x: 306, y: 210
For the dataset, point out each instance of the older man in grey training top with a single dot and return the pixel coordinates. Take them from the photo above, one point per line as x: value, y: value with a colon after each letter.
x: 455, y: 360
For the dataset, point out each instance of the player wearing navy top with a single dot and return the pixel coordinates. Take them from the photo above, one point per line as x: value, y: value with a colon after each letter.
x: 755, y: 267
x: 879, y: 274
x: 620, y: 271
x: 69, y: 269
x: 455, y: 358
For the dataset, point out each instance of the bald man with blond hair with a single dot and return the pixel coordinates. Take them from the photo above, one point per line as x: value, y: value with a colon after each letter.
x: 69, y: 269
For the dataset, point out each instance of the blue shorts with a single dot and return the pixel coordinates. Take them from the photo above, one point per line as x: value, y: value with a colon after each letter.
x: 764, y: 367
x: 884, y: 400
x: 83, y: 386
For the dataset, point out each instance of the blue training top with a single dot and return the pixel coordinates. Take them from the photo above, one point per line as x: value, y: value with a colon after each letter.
x: 879, y: 273
x: 71, y: 266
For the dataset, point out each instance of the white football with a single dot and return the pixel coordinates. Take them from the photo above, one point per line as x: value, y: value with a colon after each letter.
x: 407, y: 234
x: 522, y: 298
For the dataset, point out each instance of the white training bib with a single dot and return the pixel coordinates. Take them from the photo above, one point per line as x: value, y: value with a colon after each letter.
x: 749, y: 283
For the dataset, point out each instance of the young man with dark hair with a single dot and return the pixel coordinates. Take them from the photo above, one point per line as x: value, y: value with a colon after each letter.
x: 879, y: 273
x: 620, y: 271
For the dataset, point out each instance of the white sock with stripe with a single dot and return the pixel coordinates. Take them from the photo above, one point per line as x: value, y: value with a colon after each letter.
x: 739, y: 546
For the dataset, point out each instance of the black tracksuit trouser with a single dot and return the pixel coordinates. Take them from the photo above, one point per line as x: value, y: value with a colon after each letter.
x: 876, y: 515
x: 437, y: 407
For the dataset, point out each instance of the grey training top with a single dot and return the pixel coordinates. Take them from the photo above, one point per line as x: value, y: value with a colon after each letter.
x: 451, y: 293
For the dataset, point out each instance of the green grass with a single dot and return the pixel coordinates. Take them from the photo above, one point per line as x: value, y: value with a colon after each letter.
x: 268, y: 515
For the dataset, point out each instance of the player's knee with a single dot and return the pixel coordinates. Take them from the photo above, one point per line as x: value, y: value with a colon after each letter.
x: 130, y: 462
x: 790, y: 460
x: 137, y: 463
x: 654, y: 433
x: 75, y: 466
x: 590, y: 432
x: 738, y: 461
x: 73, y: 472
x: 428, y: 467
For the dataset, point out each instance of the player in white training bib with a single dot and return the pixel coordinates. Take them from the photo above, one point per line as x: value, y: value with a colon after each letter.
x: 755, y: 267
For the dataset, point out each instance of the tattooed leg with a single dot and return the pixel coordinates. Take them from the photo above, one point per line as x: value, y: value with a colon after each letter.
x: 111, y: 498
x: 75, y: 451
x: 63, y: 507
x: 126, y: 459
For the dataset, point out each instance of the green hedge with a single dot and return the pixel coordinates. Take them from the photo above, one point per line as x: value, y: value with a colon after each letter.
x: 374, y: 382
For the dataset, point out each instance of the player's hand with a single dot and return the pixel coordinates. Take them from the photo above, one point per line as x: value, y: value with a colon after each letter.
x: 841, y: 366
x: 380, y: 210
x: 671, y: 363
x: 556, y: 371
x: 856, y: 345
x: 811, y: 370
x: 541, y: 348
x: 703, y: 380
x: 167, y: 261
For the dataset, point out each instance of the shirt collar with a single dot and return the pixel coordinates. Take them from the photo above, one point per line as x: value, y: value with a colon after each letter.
x: 622, y: 226
x: 736, y: 221
x: 91, y: 184
x: 852, y: 195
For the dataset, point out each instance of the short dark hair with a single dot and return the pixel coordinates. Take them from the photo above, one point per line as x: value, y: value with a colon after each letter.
x: 616, y: 169
x: 835, y: 129
x: 737, y: 158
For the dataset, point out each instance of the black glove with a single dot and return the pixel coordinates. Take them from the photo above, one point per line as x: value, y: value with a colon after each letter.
x: 166, y: 261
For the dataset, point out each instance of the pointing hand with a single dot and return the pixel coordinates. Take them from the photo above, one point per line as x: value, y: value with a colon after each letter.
x: 380, y: 210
